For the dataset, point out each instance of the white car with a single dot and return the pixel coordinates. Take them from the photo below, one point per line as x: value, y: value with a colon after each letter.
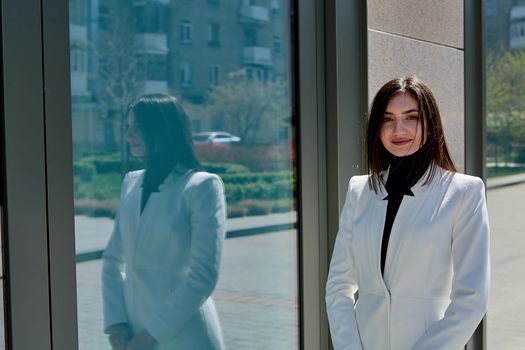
x: 215, y: 136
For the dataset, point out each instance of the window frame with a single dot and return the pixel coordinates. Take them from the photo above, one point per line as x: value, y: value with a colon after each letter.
x: 185, y: 31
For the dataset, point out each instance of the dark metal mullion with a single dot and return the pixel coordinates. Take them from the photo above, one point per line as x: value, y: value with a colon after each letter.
x: 347, y: 100
x: 59, y: 171
x: 25, y: 224
x: 310, y: 105
x: 346, y: 56
x: 474, y: 63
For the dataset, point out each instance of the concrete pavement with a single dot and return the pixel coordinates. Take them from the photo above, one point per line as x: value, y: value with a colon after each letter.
x: 506, y: 325
x: 256, y: 295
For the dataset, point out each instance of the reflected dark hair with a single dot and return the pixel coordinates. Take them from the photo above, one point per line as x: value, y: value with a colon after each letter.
x: 435, y: 149
x: 166, y: 130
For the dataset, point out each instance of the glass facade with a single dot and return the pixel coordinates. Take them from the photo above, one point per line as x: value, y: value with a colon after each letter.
x: 232, y: 67
x: 505, y: 168
x: 220, y: 60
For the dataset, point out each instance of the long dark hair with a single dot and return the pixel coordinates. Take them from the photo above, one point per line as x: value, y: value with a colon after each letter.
x: 435, y: 148
x: 166, y: 130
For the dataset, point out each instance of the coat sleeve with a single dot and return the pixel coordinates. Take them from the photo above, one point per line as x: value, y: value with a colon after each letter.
x: 207, y: 210
x: 470, y: 286
x: 114, y: 310
x: 342, y: 284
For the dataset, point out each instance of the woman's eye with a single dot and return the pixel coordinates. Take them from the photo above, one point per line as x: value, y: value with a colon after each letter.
x: 413, y: 117
x: 387, y: 119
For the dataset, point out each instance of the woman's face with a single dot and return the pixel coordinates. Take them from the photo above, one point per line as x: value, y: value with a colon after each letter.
x: 134, y: 137
x: 401, y: 126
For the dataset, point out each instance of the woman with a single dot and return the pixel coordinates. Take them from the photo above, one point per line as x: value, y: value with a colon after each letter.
x: 162, y: 261
x: 413, y: 236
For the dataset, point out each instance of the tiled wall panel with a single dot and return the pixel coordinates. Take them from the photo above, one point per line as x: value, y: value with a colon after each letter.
x: 437, y: 21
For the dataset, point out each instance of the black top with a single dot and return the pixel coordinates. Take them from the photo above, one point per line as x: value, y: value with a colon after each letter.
x: 402, y: 175
x: 158, y: 167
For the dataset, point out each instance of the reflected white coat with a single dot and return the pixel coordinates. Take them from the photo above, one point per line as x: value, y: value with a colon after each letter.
x: 160, y: 267
x: 434, y: 291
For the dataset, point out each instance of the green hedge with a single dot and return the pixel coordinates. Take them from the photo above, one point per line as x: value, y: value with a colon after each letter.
x: 97, y: 181
x: 222, y: 169
x: 258, y: 190
x: 101, y: 187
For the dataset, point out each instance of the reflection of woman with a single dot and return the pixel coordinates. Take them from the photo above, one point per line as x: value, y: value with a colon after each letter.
x: 413, y: 236
x: 161, y: 263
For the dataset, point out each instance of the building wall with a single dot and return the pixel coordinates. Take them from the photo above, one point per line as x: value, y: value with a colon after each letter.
x: 424, y: 38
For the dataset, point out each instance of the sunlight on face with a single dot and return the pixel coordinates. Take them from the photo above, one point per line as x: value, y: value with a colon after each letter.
x: 401, y: 126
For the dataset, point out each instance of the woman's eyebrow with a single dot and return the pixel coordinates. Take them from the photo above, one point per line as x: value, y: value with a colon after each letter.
x: 404, y: 112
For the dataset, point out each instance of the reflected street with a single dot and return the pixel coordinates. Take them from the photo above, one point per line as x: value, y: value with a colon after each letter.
x: 255, y: 296
x: 507, y: 305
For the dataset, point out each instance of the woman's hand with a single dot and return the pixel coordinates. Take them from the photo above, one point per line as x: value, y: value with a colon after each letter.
x: 118, y: 341
x: 119, y: 334
x: 142, y: 341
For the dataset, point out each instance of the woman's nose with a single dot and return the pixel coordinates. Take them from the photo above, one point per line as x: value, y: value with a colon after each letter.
x: 399, y: 126
x: 129, y: 135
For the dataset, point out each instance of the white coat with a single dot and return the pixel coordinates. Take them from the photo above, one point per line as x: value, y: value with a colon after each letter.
x: 160, y: 267
x: 434, y: 291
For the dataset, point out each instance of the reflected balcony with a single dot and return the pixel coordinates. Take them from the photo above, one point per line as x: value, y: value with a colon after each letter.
x: 78, y: 33
x: 254, y: 15
x: 154, y: 86
x: 152, y: 43
x: 257, y: 55
x: 517, y: 27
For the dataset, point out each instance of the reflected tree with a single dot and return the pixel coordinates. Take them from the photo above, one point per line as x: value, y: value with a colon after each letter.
x: 505, y: 93
x: 120, y: 68
x: 246, y: 106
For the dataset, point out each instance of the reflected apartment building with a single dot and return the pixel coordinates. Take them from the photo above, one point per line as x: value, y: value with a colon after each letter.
x: 505, y: 23
x: 121, y: 49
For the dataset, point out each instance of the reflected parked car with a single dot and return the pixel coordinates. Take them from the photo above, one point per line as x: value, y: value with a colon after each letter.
x: 219, y: 137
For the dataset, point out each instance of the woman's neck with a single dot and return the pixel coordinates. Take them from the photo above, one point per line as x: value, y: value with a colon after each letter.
x: 404, y: 172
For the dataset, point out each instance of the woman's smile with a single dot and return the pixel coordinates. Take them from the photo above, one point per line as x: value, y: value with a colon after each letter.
x: 401, y: 126
x: 401, y: 141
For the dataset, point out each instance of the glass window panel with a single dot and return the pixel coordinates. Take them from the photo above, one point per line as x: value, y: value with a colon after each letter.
x: 238, y: 100
x: 505, y: 135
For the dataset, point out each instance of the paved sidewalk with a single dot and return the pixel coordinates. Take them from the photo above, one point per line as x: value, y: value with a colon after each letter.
x: 92, y: 234
x: 256, y: 296
x: 505, y: 322
x: 504, y: 181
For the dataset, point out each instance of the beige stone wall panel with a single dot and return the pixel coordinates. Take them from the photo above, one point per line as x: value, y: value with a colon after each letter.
x: 438, y: 21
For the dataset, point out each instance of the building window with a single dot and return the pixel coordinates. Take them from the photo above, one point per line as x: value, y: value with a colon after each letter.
x: 275, y: 7
x: 214, y: 34
x: 491, y: 8
x: 104, y: 18
x: 78, y: 60
x: 185, y: 74
x: 214, y: 75
x: 151, y: 18
x: 277, y: 45
x: 185, y: 31
x: 250, y: 37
